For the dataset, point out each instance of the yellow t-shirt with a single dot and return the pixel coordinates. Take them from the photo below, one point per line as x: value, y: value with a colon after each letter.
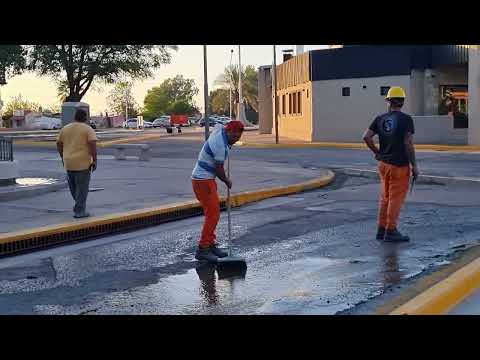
x: 75, y: 137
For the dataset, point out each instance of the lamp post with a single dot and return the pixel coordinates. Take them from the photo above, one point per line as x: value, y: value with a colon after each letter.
x: 231, y: 84
x: 205, y: 91
x: 241, y: 112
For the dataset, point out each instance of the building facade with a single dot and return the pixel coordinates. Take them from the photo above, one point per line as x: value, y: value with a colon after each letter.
x: 334, y: 94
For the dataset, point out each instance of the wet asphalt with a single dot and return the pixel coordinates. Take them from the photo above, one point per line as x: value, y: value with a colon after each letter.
x: 309, y: 253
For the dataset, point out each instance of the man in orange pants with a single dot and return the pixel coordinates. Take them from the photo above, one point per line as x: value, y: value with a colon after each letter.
x: 395, y: 130
x: 209, y: 166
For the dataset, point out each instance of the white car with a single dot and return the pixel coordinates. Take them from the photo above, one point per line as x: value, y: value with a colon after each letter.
x: 162, y: 121
x: 46, y: 123
x: 130, y: 124
x: 147, y: 125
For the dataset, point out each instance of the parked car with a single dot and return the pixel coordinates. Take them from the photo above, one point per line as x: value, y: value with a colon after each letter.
x: 147, y: 125
x: 211, y: 122
x: 46, y: 123
x: 92, y: 124
x: 162, y: 121
x: 130, y: 124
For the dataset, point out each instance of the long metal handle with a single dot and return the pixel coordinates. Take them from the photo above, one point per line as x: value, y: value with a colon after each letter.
x: 228, y: 212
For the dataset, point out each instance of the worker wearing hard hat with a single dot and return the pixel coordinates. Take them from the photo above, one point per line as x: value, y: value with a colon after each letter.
x: 397, y: 162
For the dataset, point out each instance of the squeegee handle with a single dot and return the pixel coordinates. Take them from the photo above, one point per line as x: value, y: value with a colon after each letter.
x: 228, y: 212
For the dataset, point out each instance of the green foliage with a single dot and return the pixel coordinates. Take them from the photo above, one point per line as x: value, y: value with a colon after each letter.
x: 75, y: 67
x: 19, y: 103
x: 173, y: 95
x: 249, y: 84
x: 12, y: 61
x: 219, y: 101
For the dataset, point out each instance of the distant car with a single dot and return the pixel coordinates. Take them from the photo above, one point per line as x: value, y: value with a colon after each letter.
x: 162, y: 121
x: 211, y: 122
x: 46, y: 123
x: 92, y: 125
x: 147, y: 125
x: 130, y: 124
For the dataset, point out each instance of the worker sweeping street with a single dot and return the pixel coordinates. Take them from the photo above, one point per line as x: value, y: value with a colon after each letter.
x: 209, y: 166
x: 397, y: 162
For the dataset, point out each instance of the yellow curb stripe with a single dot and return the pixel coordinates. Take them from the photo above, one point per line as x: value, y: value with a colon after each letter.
x: 445, y: 295
x: 237, y: 200
x: 293, y: 145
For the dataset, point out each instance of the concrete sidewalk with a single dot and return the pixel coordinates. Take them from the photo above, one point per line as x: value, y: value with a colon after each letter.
x: 130, y: 185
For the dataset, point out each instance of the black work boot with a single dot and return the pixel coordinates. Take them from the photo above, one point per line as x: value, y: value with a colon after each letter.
x: 395, y: 236
x: 380, y: 233
x: 205, y: 254
x: 218, y: 252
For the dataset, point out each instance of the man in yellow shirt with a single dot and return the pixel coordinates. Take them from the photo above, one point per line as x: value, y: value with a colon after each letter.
x: 77, y: 146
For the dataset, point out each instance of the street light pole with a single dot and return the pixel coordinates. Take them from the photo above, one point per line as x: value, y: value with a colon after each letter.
x: 205, y: 91
x: 274, y: 76
x: 231, y: 84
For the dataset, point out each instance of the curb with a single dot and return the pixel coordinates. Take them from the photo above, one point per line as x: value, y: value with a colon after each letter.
x: 431, y: 147
x: 446, y: 294
x: 33, y: 191
x: 47, y: 236
x: 424, y: 179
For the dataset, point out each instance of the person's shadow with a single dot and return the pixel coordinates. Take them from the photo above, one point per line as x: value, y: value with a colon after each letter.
x: 208, y: 280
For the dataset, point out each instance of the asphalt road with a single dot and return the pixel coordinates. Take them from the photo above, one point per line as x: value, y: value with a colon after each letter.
x: 310, y: 253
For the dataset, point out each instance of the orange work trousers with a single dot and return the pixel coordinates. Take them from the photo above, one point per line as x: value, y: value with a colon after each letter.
x: 206, y: 193
x: 394, y: 181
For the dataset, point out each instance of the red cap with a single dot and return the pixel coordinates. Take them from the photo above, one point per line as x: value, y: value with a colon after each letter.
x: 235, y: 126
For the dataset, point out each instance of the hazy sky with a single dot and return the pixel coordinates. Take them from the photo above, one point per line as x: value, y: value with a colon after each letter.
x: 188, y: 61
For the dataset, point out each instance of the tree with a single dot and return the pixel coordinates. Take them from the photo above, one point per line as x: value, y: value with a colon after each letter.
x: 75, y: 67
x: 12, y: 61
x: 181, y: 107
x: 121, y: 95
x: 160, y: 99
x: 219, y: 101
x: 18, y: 103
x: 249, y: 84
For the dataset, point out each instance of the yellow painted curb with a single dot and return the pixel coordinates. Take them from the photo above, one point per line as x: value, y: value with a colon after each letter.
x: 236, y: 200
x: 445, y: 295
x: 452, y: 148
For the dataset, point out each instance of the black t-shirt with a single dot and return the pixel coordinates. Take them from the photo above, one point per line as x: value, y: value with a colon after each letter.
x: 391, y: 129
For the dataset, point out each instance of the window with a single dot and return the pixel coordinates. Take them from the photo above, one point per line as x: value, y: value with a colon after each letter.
x: 345, y: 91
x: 384, y: 90
x: 299, y: 103
x: 290, y: 103
x: 294, y: 103
x: 283, y: 105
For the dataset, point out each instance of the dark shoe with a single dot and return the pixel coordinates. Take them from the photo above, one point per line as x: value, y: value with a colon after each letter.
x: 81, y: 215
x: 380, y: 233
x: 205, y: 254
x: 395, y: 236
x: 218, y: 252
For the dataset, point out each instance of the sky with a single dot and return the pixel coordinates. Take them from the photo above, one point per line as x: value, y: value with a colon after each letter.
x: 187, y: 61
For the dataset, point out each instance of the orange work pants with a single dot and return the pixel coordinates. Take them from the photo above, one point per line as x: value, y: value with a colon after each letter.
x: 394, y: 181
x: 206, y: 193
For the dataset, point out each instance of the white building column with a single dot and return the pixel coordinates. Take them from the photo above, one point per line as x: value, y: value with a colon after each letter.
x: 473, y: 96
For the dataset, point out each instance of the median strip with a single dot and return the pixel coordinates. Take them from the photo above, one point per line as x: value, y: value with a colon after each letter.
x: 47, y: 236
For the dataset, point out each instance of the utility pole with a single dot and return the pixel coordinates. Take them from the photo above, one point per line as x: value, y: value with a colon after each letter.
x: 205, y: 95
x: 231, y: 84
x: 274, y: 77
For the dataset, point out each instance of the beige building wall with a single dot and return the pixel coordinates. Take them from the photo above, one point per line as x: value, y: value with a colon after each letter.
x: 345, y: 118
x: 291, y: 123
x: 438, y: 129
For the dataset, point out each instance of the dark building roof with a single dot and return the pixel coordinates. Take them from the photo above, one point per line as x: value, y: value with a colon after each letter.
x: 360, y: 61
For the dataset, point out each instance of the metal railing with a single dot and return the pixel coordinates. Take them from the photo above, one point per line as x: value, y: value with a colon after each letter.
x: 6, y: 149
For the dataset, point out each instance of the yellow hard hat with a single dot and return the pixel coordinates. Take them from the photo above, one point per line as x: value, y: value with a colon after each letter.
x: 396, y: 92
